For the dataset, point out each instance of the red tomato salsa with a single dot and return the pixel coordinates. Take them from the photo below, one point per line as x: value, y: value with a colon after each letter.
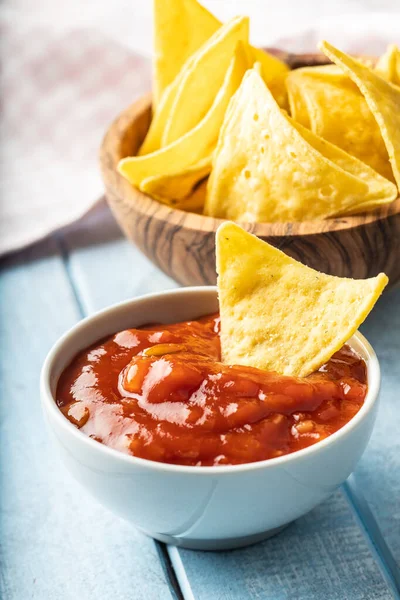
x: 161, y: 393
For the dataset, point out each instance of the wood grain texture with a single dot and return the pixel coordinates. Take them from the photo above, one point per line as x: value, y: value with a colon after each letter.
x: 56, y: 542
x: 182, y: 244
x: 322, y: 555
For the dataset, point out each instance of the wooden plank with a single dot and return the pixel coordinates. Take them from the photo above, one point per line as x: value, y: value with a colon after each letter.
x: 56, y: 542
x: 378, y: 473
x: 322, y: 555
x: 324, y: 552
x: 105, y: 267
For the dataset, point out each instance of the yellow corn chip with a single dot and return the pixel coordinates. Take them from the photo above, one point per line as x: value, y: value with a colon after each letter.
x: 388, y: 66
x: 180, y: 28
x: 267, y: 167
x: 176, y: 186
x: 194, y: 202
x: 326, y: 100
x: 273, y: 71
x: 298, y: 99
x: 202, y: 77
x: 194, y: 89
x: 257, y: 68
x: 382, y: 97
x: 152, y: 141
x: 196, y: 145
x: 278, y: 89
x: 277, y: 314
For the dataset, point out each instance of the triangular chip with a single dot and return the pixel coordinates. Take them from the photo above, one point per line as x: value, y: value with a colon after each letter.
x: 176, y: 186
x: 180, y: 28
x: 152, y: 141
x: 298, y: 99
x: 388, y: 66
x: 194, y: 202
x: 271, y: 67
x: 195, y: 146
x: 382, y: 97
x: 268, y: 168
x: 278, y: 89
x: 273, y: 71
x: 202, y: 76
x: 188, y: 98
x: 326, y: 100
x: 279, y: 315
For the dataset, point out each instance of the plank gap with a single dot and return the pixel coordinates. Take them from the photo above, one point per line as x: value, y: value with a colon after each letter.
x: 371, y: 530
x: 60, y: 242
x: 180, y: 572
x: 169, y: 571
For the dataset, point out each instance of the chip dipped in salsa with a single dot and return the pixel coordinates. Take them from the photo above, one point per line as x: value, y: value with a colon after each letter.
x: 162, y: 393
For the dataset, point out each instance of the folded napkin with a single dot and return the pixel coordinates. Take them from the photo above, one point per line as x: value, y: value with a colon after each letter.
x: 62, y: 87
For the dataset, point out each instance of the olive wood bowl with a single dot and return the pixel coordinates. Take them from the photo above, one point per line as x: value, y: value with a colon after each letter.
x: 182, y: 244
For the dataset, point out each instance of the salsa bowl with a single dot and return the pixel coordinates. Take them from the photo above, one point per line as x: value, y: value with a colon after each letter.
x: 182, y: 244
x: 207, y: 508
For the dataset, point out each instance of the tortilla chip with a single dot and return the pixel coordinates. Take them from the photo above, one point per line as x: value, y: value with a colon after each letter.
x: 279, y: 315
x: 298, y: 99
x: 196, y: 145
x: 201, y: 78
x: 181, y: 27
x: 326, y: 100
x: 268, y: 168
x: 152, y: 141
x: 273, y: 72
x: 193, y: 203
x: 278, y: 89
x: 381, y: 191
x: 192, y: 93
x: 174, y: 187
x: 388, y: 66
x: 383, y: 99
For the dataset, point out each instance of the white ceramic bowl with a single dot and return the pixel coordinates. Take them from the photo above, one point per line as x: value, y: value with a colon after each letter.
x: 200, y: 507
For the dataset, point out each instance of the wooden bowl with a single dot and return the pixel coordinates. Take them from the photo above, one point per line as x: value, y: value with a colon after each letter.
x: 182, y: 244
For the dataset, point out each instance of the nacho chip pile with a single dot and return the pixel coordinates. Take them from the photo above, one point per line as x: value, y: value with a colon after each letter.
x: 236, y: 135
x: 287, y: 176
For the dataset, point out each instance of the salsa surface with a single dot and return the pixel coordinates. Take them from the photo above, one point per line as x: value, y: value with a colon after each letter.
x: 161, y: 393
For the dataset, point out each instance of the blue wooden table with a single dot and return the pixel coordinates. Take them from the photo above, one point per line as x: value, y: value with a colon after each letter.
x: 56, y: 542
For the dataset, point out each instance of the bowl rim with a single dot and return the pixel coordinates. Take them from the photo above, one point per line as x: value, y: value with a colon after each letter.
x: 116, y: 184
x: 51, y: 409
